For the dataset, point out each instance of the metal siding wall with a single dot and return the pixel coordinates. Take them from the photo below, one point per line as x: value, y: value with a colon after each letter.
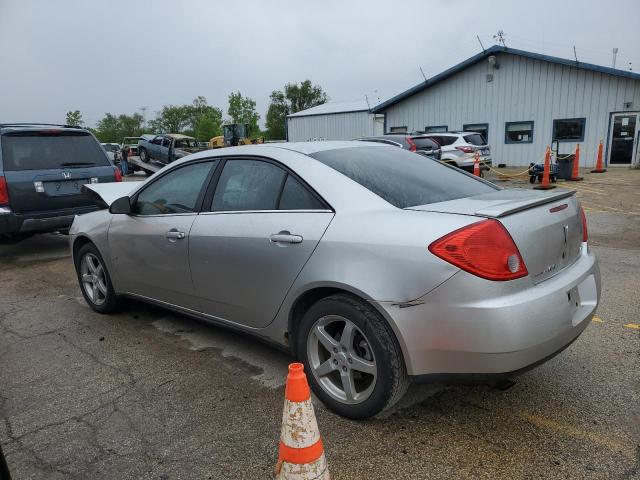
x: 334, y: 126
x: 522, y: 89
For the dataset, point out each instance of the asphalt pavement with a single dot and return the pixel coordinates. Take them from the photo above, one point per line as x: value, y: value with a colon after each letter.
x: 149, y: 394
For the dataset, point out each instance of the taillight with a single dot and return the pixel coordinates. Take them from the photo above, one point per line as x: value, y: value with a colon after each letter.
x: 583, y: 217
x: 412, y: 144
x: 466, y: 149
x: 484, y: 249
x: 4, y: 191
x: 118, y: 174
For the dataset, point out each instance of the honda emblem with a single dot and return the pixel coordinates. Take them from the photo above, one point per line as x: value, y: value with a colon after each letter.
x: 66, y: 175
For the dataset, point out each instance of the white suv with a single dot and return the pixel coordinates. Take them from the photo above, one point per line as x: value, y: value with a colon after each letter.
x: 459, y: 149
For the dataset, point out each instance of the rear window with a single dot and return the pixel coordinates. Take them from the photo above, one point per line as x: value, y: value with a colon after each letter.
x: 474, y: 139
x: 39, y: 151
x: 425, y: 143
x: 402, y: 178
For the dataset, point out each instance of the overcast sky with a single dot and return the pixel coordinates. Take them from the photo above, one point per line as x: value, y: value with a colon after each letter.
x: 117, y: 56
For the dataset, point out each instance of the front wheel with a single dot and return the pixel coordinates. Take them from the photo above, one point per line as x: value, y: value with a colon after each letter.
x: 94, y: 280
x: 353, y: 360
x: 144, y: 156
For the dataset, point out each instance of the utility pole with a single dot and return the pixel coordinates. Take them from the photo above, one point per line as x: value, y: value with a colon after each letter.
x: 144, y: 115
x: 615, y: 54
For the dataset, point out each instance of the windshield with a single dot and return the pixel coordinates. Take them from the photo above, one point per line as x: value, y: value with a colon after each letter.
x: 42, y: 151
x: 402, y: 178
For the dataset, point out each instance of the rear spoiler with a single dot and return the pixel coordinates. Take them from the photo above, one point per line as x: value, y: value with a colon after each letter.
x: 518, y: 206
x: 104, y: 194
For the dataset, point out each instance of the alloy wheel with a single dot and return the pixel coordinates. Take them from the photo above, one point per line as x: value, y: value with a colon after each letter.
x: 94, y: 280
x: 341, y: 359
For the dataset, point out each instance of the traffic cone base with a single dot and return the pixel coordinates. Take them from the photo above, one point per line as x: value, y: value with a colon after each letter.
x: 301, y: 452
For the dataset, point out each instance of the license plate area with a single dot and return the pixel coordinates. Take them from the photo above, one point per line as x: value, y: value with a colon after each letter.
x: 64, y: 187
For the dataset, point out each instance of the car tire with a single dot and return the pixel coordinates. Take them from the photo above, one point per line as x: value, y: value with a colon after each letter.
x: 532, y: 179
x: 98, y: 291
x: 144, y: 156
x: 373, y: 347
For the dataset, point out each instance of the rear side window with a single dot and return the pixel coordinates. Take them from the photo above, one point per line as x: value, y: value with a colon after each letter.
x: 296, y: 196
x: 44, y: 151
x: 402, y: 178
x: 474, y: 139
x: 248, y: 185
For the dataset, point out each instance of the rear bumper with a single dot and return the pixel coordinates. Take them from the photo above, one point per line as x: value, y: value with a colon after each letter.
x: 39, y: 222
x: 471, y: 326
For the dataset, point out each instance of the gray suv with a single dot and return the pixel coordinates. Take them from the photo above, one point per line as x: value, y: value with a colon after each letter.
x: 42, y: 170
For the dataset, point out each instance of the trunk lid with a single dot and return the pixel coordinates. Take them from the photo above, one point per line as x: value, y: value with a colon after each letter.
x: 546, y: 226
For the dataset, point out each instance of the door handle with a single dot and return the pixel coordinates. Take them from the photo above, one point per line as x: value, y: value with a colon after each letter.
x: 285, y: 237
x: 174, y: 234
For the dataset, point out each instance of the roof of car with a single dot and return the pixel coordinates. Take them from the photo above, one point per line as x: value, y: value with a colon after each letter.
x: 178, y: 136
x: 24, y: 127
x: 309, y: 148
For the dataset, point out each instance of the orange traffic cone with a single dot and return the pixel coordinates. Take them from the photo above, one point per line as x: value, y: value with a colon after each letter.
x: 575, y: 174
x: 599, y: 166
x: 301, y: 454
x: 476, y: 165
x: 545, y: 175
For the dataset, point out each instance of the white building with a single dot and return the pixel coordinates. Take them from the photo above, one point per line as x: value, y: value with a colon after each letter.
x: 522, y: 102
x: 334, y: 121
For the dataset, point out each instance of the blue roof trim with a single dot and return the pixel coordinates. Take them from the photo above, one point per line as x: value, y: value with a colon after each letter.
x: 492, y: 51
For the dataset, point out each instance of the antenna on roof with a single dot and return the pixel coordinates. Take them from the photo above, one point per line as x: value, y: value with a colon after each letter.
x: 575, y: 54
x: 480, y: 42
x: 367, y: 100
x: 499, y: 37
x: 422, y: 72
x: 615, y: 54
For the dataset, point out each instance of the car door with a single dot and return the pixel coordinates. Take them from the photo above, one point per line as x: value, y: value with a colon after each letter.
x: 150, y: 247
x: 153, y: 147
x: 245, y: 253
x: 164, y: 149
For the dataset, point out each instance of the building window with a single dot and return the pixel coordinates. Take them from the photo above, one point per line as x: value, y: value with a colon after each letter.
x: 569, y: 129
x: 518, y: 132
x: 481, y: 128
x: 436, y: 129
x: 398, y: 129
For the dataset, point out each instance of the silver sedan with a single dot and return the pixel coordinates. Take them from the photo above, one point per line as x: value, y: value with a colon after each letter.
x: 371, y: 264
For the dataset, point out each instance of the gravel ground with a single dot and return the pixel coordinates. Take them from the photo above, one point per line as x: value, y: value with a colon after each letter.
x: 150, y: 394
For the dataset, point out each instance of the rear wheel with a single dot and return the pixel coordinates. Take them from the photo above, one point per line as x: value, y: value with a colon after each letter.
x: 354, y: 363
x: 94, y: 280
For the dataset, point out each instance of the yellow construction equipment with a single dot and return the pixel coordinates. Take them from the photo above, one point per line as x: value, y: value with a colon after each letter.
x: 234, y: 134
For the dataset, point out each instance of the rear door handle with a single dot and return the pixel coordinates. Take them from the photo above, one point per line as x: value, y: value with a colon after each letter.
x: 174, y: 234
x: 285, y: 237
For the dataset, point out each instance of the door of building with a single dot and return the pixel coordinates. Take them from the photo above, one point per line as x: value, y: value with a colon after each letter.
x: 623, y: 137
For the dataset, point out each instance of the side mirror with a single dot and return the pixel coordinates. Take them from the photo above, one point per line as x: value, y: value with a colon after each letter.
x: 121, y: 206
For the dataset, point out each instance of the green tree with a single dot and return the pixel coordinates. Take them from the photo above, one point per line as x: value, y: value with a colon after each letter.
x: 205, y: 121
x: 113, y: 128
x: 243, y: 110
x: 292, y: 99
x: 171, y: 119
x: 74, y: 118
x: 277, y: 116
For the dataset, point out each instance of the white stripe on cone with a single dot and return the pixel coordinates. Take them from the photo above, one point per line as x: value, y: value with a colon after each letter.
x: 299, y: 426
x: 309, y: 471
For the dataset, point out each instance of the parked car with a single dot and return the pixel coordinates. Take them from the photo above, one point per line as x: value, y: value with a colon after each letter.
x: 42, y: 169
x: 459, y: 149
x: 113, y: 151
x: 414, y: 143
x: 167, y: 147
x: 372, y: 264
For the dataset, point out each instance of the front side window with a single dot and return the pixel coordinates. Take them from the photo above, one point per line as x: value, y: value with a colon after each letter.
x: 248, y: 185
x: 166, y: 142
x: 436, y: 129
x: 569, y: 129
x: 175, y: 192
x: 157, y: 140
x: 400, y: 177
x: 518, y: 132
